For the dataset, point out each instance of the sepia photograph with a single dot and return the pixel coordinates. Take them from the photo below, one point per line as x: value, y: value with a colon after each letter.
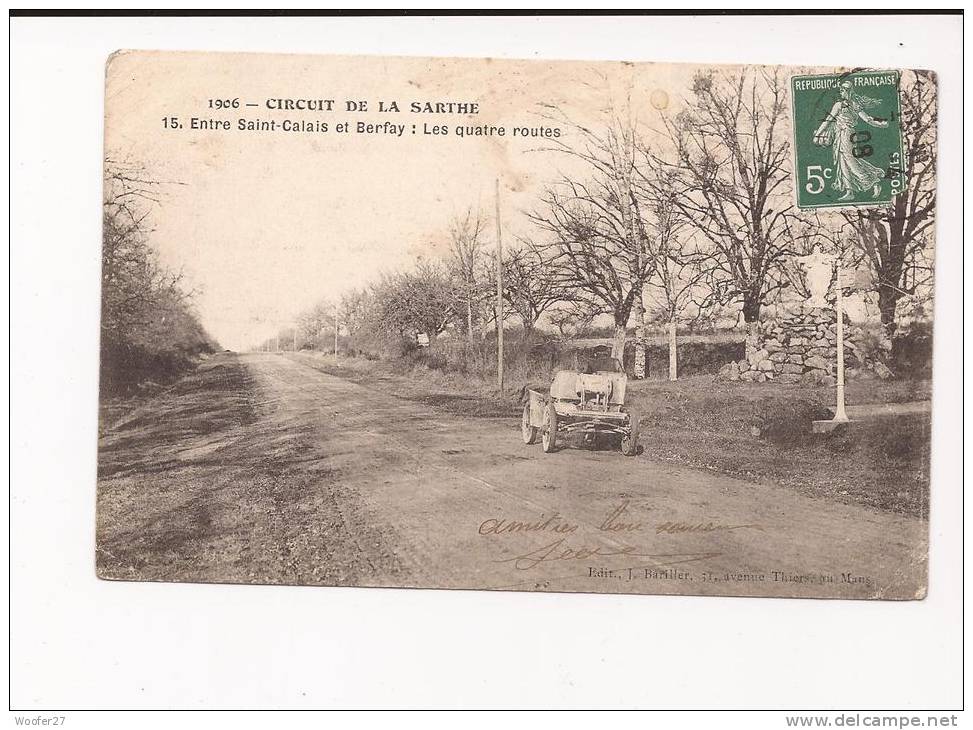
x: 517, y: 325
x: 448, y: 361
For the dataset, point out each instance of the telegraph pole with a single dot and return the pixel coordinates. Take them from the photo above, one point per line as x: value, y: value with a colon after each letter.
x: 499, y: 296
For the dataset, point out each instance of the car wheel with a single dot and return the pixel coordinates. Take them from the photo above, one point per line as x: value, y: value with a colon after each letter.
x: 527, y: 431
x: 549, y: 437
x: 630, y: 442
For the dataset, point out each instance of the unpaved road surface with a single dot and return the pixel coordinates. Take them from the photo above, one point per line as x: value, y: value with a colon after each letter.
x: 260, y: 468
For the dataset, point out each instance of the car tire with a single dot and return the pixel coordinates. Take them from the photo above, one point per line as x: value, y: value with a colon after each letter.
x: 549, y: 437
x: 528, y: 432
x: 630, y: 443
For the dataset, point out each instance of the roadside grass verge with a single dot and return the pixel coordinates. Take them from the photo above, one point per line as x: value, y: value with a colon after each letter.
x: 150, y: 432
x: 763, y: 432
x: 115, y: 403
x: 214, y: 480
x: 755, y: 431
x: 466, y: 395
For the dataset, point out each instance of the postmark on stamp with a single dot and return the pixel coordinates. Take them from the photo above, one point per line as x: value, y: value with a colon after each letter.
x: 847, y: 139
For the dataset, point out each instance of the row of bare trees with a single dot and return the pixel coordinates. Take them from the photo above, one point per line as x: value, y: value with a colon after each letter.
x: 148, y: 327
x: 703, y: 214
x: 457, y: 292
x: 666, y: 223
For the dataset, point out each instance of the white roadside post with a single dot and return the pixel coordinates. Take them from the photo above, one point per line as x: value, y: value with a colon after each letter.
x: 839, y: 414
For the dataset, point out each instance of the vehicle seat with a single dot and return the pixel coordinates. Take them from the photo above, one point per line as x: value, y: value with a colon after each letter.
x: 593, y: 384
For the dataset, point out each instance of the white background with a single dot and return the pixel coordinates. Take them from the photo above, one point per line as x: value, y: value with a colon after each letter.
x: 81, y: 643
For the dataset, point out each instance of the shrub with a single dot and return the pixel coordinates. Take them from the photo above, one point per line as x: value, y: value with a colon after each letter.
x: 787, y: 422
x: 127, y: 365
x: 693, y: 358
x: 912, y: 351
x: 903, y: 439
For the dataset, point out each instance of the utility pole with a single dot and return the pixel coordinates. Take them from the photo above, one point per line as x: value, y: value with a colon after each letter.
x: 499, y: 296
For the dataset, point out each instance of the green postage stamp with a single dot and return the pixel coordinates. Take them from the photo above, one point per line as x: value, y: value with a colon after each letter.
x: 847, y: 139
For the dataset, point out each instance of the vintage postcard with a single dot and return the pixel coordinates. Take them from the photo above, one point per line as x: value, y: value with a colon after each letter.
x: 517, y: 325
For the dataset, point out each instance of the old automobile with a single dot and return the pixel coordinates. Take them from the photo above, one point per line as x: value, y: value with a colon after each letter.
x: 588, y: 400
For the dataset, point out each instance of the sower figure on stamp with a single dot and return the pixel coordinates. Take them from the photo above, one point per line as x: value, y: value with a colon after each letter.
x: 853, y: 173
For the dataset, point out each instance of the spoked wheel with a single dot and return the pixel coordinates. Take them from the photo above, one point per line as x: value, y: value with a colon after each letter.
x: 630, y: 442
x: 549, y: 437
x: 527, y: 431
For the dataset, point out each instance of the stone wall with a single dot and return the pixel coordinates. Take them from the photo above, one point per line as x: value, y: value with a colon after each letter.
x: 801, y: 347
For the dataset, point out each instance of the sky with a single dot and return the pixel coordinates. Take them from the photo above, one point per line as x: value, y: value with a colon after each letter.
x: 265, y: 224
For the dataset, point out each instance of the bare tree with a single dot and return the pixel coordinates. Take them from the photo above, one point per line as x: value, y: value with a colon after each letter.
x: 149, y: 327
x: 355, y: 313
x: 731, y: 171
x: 422, y: 300
x: 530, y: 286
x: 574, y: 318
x: 681, y: 265
x: 677, y: 284
x: 487, y: 306
x: 133, y: 282
x: 465, y: 264
x: 317, y: 324
x: 598, y: 243
x: 897, y: 239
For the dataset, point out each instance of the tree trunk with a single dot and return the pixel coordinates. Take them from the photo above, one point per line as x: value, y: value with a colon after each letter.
x: 640, y: 368
x: 469, y: 321
x: 888, y: 298
x: 751, y: 307
x: 618, y: 343
x: 751, y: 316
x: 672, y: 351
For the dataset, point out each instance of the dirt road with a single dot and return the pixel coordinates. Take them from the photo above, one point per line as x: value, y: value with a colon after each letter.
x: 261, y: 468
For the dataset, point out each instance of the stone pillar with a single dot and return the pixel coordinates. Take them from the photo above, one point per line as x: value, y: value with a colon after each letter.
x: 800, y: 346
